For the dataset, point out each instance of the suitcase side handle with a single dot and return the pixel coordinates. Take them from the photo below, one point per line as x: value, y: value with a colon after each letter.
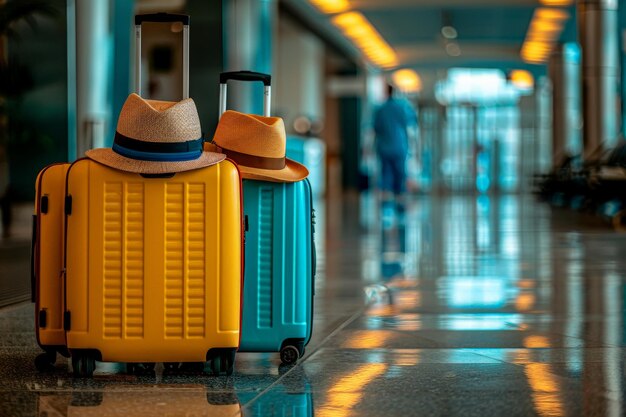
x: 33, y: 278
x: 266, y: 79
x: 162, y: 18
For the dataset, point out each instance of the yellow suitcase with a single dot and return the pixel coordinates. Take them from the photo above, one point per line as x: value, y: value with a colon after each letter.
x: 153, y: 266
x: 47, y: 263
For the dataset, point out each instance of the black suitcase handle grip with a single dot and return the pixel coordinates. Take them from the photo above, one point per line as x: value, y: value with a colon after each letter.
x: 162, y: 18
x: 266, y: 79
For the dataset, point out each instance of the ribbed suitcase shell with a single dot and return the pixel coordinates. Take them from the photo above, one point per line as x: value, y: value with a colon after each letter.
x: 48, y: 256
x: 154, y: 265
x: 278, y: 284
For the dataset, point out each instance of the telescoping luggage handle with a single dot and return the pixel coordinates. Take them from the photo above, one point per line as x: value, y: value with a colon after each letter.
x: 162, y: 18
x: 266, y: 79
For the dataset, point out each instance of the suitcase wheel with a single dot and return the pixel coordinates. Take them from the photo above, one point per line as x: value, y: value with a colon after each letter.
x: 83, y: 365
x: 45, y: 361
x: 289, y: 354
x: 228, y: 364
x: 216, y: 367
x: 223, y: 362
x: 143, y: 368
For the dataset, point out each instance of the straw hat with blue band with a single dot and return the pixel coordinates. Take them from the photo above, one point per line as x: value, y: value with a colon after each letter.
x: 157, y: 137
x: 258, y: 145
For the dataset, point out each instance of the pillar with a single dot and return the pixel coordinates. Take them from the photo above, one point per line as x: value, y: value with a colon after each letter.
x: 123, y: 26
x: 248, y: 32
x: 298, y: 81
x: 564, y: 72
x: 597, y: 28
x: 92, y: 74
x: 555, y: 68
x: 528, y: 112
x: 543, y: 129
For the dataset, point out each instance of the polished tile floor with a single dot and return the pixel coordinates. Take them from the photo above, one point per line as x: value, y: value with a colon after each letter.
x: 455, y: 306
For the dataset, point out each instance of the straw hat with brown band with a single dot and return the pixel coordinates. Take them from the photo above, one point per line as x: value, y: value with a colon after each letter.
x: 157, y: 137
x: 258, y: 145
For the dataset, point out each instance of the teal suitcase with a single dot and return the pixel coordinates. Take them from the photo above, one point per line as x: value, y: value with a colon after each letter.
x: 279, y: 268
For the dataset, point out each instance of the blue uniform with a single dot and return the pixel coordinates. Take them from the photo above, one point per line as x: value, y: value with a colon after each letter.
x: 390, y: 125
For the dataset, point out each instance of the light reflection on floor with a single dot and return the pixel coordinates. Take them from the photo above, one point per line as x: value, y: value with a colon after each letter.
x: 483, y: 306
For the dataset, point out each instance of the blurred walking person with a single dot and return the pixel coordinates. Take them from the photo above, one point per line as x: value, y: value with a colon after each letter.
x: 391, y: 125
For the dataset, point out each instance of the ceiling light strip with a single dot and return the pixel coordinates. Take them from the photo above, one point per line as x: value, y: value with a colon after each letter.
x: 544, y: 30
x: 357, y: 28
x: 407, y: 80
x: 557, y: 2
x: 522, y: 79
x: 331, y: 6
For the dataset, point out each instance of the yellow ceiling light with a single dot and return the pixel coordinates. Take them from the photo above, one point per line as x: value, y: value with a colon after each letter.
x: 545, y: 26
x: 358, y: 31
x: 407, y: 80
x: 331, y: 6
x: 357, y: 28
x: 537, y: 46
x: 535, y: 57
x: 543, y: 32
x: 556, y: 2
x: 522, y: 79
x: 532, y: 55
x: 537, y: 51
x: 549, y: 13
x: 345, y: 20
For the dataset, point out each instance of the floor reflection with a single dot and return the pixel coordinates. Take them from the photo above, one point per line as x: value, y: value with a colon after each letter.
x: 511, y: 280
x: 140, y: 400
x: 292, y: 396
x: 448, y: 306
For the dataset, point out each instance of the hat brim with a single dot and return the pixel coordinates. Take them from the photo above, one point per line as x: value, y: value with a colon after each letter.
x: 110, y: 158
x: 292, y: 172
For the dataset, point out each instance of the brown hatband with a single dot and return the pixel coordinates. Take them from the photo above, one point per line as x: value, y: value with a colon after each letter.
x: 254, y: 161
